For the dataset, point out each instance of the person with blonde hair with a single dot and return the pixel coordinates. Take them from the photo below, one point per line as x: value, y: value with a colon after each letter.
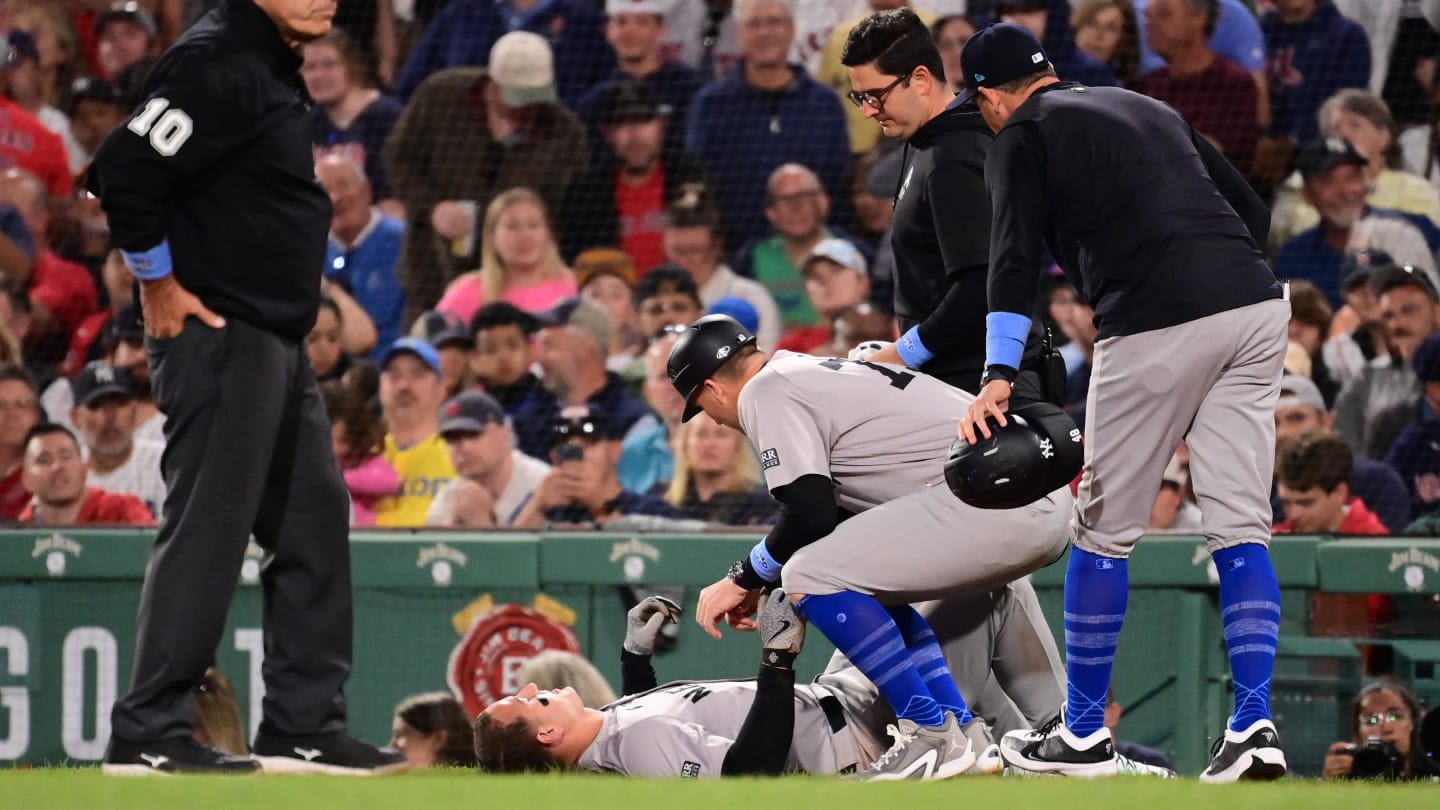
x: 519, y: 260
x: 61, y: 61
x: 217, y: 715
x: 557, y: 669
x: 717, y: 477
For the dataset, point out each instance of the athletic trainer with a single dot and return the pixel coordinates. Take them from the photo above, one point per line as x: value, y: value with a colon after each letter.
x: 211, y: 194
x: 1162, y: 237
x: 941, y: 231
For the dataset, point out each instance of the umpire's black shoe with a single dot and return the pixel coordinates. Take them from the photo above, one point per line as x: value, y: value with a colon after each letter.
x: 337, y: 753
x: 173, y: 756
x: 1252, y: 754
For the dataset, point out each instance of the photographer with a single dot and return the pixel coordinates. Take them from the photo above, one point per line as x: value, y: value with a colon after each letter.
x: 1386, y: 738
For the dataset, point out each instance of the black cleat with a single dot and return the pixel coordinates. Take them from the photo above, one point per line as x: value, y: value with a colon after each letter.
x: 173, y: 756
x: 337, y: 753
x: 1253, y: 755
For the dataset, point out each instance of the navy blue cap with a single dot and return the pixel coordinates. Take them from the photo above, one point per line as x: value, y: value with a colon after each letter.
x: 470, y: 412
x: 996, y: 55
x: 414, y: 346
x: 1358, y: 265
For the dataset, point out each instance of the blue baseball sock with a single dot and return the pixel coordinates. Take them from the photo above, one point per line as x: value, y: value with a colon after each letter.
x: 929, y: 661
x: 1250, y: 611
x: 1096, y: 590
x: 859, y: 627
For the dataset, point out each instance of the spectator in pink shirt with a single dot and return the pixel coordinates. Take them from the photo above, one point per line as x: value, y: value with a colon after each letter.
x: 357, y: 435
x: 519, y: 260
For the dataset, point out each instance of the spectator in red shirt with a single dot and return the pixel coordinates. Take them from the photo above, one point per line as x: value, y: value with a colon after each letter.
x: 19, y: 411
x: 55, y: 472
x: 1216, y: 95
x: 27, y: 144
x: 1314, y: 475
x: 62, y: 293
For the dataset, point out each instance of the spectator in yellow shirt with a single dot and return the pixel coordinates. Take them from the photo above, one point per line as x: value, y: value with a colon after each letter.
x: 411, y: 392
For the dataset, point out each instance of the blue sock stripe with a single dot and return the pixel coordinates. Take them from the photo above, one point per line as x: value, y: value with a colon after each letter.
x: 926, y: 655
x: 924, y: 711
x: 1096, y: 641
x: 1085, y: 618
x: 925, y: 636
x: 885, y: 632
x: 895, y: 671
x: 1235, y: 630
x: 1253, y: 648
x: 1090, y: 661
x: 879, y: 657
x: 1254, y: 604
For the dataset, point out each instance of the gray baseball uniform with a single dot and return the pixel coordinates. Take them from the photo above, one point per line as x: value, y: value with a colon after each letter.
x: 685, y: 728
x: 881, y: 433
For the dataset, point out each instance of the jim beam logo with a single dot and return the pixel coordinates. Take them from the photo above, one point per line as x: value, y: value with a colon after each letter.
x: 1202, y: 557
x: 1413, y: 562
x: 53, y: 549
x: 254, y: 560
x: 634, y: 552
x: 441, y: 560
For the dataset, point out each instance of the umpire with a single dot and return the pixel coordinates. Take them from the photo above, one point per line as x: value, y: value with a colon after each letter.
x: 211, y: 194
x: 1162, y: 237
x: 941, y: 232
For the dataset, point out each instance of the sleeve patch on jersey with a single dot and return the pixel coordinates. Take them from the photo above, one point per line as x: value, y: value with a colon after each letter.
x: 690, y: 770
x: 769, y: 458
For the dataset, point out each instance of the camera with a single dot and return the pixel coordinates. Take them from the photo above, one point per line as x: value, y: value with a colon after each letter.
x: 569, y: 452
x: 1375, y: 759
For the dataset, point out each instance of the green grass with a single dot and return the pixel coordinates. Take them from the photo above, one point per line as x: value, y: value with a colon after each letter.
x: 87, y: 789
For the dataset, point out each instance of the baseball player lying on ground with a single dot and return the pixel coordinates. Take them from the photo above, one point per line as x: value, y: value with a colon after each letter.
x: 699, y: 729
x: 869, y: 439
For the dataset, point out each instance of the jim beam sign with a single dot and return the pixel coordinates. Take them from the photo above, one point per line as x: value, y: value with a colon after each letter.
x: 1413, y: 562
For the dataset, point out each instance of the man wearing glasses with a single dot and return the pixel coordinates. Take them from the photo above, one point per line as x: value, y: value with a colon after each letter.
x: 941, y: 231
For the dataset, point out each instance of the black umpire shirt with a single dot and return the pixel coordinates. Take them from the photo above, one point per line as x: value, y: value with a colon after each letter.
x: 1139, y: 210
x: 941, y: 242
x: 217, y: 160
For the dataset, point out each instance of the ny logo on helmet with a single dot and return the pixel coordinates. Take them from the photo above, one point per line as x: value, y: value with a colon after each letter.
x: 1047, y: 450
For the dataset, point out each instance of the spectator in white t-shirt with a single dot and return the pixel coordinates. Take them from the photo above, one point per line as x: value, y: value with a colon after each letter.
x: 493, y: 480
x: 106, y: 416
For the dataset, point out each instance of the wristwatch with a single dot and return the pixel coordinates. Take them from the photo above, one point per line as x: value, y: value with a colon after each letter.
x: 998, y: 372
x: 737, y: 571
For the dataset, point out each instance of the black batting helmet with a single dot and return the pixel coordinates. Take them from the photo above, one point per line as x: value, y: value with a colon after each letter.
x: 1037, y: 452
x: 704, y: 346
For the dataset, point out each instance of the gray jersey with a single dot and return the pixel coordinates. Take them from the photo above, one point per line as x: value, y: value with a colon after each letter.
x: 879, y: 431
x: 686, y: 728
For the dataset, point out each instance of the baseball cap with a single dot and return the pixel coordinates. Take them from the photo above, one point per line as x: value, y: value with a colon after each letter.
x: 413, y: 346
x: 470, y: 412
x: 838, y: 251
x: 584, y: 315
x: 604, y: 261
x: 1427, y: 359
x: 998, y: 54
x: 1322, y: 155
x: 441, y: 329
x: 705, y: 346
x: 100, y: 379
x: 129, y: 11
x: 660, y: 7
x: 630, y: 100
x: 1297, y: 390
x: 89, y: 88
x: 22, y: 46
x: 523, y: 66
x: 738, y: 308
x: 581, y: 422
x: 1359, y: 265
x: 1388, y: 278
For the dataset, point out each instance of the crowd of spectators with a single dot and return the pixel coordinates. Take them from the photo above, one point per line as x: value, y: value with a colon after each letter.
x: 530, y: 195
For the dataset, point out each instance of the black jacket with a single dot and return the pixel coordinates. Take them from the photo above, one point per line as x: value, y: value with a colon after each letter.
x: 218, y: 161
x: 941, y: 241
x: 591, y: 218
x: 1151, y: 223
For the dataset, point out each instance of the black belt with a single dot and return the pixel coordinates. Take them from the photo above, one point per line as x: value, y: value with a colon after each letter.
x: 834, y: 712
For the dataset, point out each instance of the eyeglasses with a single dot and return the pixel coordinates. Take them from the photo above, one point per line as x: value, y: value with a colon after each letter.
x: 1378, y: 718
x: 876, y: 98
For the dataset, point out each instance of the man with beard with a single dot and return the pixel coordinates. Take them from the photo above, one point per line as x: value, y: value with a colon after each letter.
x: 105, y: 415
x: 55, y: 472
x: 1334, y: 177
x: 621, y: 201
x: 228, y: 302
x: 411, y: 391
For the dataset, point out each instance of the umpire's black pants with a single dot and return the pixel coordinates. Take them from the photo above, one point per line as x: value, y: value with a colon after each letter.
x: 248, y: 450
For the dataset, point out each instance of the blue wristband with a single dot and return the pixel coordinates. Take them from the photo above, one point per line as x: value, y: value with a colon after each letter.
x: 763, y: 563
x: 1005, y: 335
x: 152, y: 264
x: 912, y: 350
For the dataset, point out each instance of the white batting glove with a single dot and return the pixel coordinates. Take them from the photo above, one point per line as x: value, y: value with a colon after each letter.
x: 867, y: 348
